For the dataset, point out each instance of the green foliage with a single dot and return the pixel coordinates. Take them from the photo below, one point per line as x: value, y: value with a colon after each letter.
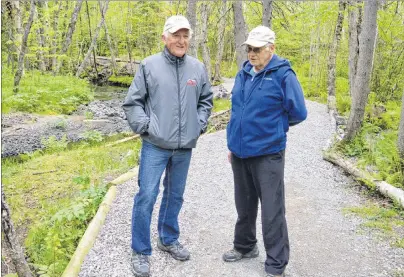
x: 49, y: 206
x: 51, y: 243
x: 60, y: 124
x: 229, y: 69
x: 44, y: 93
x: 376, y: 149
x: 387, y: 81
x: 52, y: 144
x: 399, y: 243
x: 343, y: 104
x: 33, y: 197
x: 88, y: 115
x: 384, y: 115
x: 93, y: 136
x: 121, y: 80
x: 342, y: 95
x: 48, y: 270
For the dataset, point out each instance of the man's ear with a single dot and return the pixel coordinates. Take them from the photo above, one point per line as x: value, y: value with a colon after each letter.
x: 163, y: 38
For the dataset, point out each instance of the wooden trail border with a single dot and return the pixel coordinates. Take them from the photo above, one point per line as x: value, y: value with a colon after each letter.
x: 89, y: 237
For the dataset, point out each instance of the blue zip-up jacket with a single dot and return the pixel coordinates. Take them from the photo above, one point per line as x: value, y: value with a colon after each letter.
x: 263, y: 108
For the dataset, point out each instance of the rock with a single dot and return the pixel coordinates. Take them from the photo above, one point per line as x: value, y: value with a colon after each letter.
x: 341, y: 120
x: 220, y: 92
x: 129, y: 69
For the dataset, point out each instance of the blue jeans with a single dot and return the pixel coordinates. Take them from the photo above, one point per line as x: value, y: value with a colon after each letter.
x: 153, y: 161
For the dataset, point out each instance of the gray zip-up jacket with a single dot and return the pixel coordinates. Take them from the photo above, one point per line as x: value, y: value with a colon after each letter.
x: 169, y: 101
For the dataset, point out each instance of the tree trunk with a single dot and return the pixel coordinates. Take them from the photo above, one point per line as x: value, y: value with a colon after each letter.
x: 18, y: 23
x: 93, y: 42
x: 204, y: 38
x: 361, y: 87
x: 267, y: 13
x: 240, y: 33
x: 41, y: 37
x: 355, y: 21
x: 9, y: 25
x: 20, y: 67
x: 91, y: 36
x: 128, y: 33
x: 400, y: 140
x: 55, y: 26
x: 191, y: 16
x: 70, y: 31
x: 331, y: 103
x: 11, y: 241
x: 110, y: 45
x: 220, y: 47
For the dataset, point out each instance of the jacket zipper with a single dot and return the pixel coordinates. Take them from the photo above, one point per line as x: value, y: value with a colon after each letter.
x: 242, y: 111
x: 179, y: 107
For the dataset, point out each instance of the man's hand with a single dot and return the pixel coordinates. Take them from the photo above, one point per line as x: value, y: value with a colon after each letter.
x: 229, y: 157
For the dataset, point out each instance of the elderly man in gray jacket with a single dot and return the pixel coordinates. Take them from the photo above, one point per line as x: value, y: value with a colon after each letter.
x: 168, y: 104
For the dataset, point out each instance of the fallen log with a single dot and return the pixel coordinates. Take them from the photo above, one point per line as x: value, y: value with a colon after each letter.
x: 385, y: 188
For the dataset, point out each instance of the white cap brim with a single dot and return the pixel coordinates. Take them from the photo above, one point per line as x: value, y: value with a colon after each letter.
x: 255, y: 43
x: 172, y: 30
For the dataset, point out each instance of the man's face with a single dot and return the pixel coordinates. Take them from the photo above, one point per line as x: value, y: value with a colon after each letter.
x: 260, y: 57
x: 178, y: 42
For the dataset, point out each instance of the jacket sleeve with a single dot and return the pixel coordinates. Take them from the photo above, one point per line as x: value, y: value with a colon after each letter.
x: 293, y: 101
x: 135, y: 101
x: 205, y: 102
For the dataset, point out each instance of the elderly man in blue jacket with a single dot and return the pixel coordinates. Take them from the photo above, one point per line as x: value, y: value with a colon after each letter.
x: 266, y: 99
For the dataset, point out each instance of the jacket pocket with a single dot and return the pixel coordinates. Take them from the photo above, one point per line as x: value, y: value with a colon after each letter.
x: 153, y: 125
x: 280, y: 133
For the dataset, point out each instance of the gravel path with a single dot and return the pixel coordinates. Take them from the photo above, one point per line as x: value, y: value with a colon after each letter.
x: 324, y: 242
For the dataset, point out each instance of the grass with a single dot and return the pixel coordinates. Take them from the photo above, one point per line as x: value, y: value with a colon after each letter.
x: 121, y: 80
x: 398, y: 273
x: 38, y: 184
x: 221, y: 105
x: 53, y: 194
x: 43, y: 93
x: 388, y: 221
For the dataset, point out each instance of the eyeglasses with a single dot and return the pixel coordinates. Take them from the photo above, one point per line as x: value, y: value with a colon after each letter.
x: 258, y: 50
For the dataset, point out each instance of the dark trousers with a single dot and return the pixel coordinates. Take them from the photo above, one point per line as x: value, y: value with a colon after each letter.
x: 261, y: 179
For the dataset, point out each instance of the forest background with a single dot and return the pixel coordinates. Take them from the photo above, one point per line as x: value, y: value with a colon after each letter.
x: 52, y: 53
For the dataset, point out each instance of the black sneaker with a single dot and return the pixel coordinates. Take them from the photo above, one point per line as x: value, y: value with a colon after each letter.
x: 234, y: 256
x: 274, y: 275
x: 140, y: 265
x: 176, y: 250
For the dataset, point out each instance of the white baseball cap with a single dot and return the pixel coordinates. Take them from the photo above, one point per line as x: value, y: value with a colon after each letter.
x: 259, y: 36
x: 175, y: 23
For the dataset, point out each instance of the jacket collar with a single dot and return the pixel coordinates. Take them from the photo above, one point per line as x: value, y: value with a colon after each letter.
x: 173, y: 59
